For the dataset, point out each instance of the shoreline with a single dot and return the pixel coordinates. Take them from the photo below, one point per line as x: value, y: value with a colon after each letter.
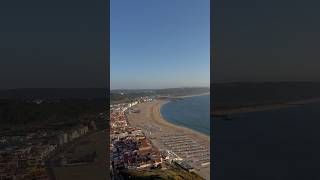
x: 177, y: 125
x: 164, y: 119
x: 186, y: 96
x: 260, y: 108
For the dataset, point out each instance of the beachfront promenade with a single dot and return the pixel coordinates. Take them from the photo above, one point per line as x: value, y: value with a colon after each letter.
x: 191, y: 146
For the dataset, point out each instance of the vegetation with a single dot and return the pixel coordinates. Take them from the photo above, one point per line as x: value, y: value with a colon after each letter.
x: 66, y: 111
x: 168, y: 174
x: 130, y: 95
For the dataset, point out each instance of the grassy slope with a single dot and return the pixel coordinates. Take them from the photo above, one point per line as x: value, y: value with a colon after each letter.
x: 174, y: 174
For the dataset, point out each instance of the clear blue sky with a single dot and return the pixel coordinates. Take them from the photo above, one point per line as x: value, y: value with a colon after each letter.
x: 159, y: 43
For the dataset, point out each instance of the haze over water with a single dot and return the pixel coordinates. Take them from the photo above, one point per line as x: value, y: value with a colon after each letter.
x: 192, y: 112
x: 281, y: 143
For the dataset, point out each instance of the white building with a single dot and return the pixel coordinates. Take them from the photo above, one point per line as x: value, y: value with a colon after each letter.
x: 63, y: 138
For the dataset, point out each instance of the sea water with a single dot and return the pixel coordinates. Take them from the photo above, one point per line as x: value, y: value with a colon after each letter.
x: 275, y: 144
x: 191, y: 112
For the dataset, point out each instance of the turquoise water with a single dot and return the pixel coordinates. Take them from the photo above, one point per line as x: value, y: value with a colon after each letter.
x: 192, y: 112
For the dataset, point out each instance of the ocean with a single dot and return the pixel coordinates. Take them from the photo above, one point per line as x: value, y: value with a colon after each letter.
x: 275, y: 144
x: 191, y: 112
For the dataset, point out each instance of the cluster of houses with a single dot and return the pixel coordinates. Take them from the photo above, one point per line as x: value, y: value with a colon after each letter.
x: 125, y: 106
x: 122, y: 106
x: 23, y: 155
x: 25, y: 163
x: 66, y: 137
x: 134, y: 153
x: 129, y: 147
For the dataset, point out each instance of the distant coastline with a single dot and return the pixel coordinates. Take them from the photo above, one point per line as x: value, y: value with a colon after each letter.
x: 258, y: 108
x: 193, y: 95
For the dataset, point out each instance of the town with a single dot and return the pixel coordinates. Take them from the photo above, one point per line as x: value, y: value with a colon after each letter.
x: 132, y: 148
x: 26, y: 150
x: 23, y: 154
x: 129, y: 147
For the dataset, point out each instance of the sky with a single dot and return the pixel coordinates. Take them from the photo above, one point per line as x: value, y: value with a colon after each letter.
x: 52, y: 44
x: 159, y: 43
x: 267, y: 40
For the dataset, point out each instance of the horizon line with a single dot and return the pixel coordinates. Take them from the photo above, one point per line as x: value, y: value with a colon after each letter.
x: 159, y: 88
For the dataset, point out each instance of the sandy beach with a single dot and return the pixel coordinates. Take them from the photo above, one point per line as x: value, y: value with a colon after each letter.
x: 156, y: 128
x: 87, y: 144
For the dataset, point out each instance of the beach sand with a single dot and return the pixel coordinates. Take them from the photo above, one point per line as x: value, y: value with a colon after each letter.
x: 87, y: 144
x: 150, y: 120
